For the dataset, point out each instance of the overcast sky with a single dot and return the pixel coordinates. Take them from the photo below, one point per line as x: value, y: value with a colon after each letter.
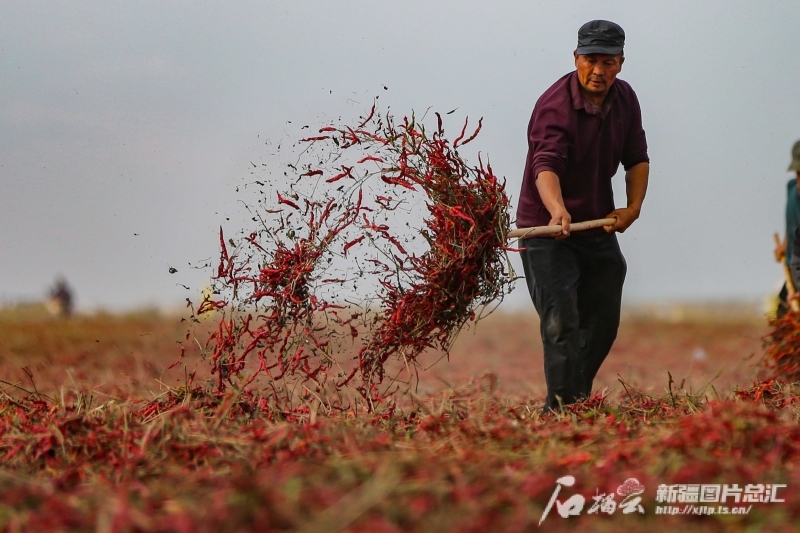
x: 125, y: 127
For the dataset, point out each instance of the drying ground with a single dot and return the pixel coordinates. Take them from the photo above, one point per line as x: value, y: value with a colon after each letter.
x: 97, y: 435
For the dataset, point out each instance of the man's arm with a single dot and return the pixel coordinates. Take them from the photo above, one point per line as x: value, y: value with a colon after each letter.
x: 549, y: 188
x: 636, y: 187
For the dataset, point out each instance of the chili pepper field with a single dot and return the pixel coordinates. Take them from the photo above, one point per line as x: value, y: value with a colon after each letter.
x: 345, y: 371
x: 96, y: 434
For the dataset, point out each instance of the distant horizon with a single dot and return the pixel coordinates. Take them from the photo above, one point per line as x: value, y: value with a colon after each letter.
x: 722, y: 304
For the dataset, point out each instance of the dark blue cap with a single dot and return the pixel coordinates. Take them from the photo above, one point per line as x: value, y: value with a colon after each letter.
x: 600, y: 37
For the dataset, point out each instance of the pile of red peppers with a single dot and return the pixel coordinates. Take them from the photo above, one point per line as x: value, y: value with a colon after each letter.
x: 331, y: 222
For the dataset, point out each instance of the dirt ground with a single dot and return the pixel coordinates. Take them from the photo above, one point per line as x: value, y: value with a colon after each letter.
x: 129, y: 354
x: 696, y: 352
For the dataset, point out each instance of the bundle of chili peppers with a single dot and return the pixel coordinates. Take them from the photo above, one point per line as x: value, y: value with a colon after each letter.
x: 332, y: 270
x: 782, y: 349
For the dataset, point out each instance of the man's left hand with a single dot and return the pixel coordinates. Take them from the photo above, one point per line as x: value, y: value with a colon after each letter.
x: 625, y: 217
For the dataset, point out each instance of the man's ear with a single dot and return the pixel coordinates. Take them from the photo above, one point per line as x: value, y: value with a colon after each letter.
x: 621, y: 61
x: 575, y: 54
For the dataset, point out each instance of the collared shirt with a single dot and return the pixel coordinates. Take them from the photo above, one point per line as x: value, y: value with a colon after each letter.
x: 792, y: 218
x: 584, y: 145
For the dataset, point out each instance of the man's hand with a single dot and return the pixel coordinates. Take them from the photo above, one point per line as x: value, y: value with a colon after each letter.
x: 550, y: 191
x: 636, y: 179
x: 563, y: 218
x: 780, y: 249
x: 625, y: 217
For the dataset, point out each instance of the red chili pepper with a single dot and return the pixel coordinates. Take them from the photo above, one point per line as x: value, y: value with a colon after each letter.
x: 283, y: 200
x: 183, y: 354
x: 345, y: 173
x: 370, y: 158
x: 477, y: 130
x: 372, y: 136
x: 398, y: 181
x: 395, y: 242
x: 374, y: 227
x: 456, y: 211
x: 353, y: 137
x: 369, y: 117
x: 353, y: 243
x: 461, y: 135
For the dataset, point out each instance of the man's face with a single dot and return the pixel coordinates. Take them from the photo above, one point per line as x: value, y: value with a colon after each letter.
x: 597, y: 72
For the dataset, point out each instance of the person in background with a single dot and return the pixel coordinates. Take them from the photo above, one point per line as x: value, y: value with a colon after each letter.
x: 582, y: 128
x: 60, y: 299
x: 786, y: 248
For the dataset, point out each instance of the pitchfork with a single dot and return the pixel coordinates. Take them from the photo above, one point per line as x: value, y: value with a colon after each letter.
x: 523, y: 233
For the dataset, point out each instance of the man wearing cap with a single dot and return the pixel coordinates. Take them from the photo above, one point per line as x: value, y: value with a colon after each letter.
x: 582, y: 128
x: 789, y: 249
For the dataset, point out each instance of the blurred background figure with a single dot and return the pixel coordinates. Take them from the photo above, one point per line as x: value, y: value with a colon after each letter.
x: 60, y: 299
x: 785, y: 248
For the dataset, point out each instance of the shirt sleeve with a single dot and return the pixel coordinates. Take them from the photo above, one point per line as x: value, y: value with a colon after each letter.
x: 548, y: 140
x: 635, y: 150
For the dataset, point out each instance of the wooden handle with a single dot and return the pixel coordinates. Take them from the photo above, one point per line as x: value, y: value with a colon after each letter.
x: 522, y: 233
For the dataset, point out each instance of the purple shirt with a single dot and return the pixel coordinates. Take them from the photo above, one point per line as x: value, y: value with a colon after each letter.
x: 584, y: 145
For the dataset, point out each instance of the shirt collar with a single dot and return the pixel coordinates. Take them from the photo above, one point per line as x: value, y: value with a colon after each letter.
x: 580, y: 102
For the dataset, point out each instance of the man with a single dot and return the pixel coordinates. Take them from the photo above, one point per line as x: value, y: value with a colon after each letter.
x: 789, y: 249
x: 784, y: 250
x: 582, y: 128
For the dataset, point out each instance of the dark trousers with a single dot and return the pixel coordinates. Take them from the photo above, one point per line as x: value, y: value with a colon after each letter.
x: 576, y: 287
x: 783, y: 304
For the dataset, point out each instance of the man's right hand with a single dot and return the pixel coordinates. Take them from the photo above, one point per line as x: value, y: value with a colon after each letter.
x: 563, y: 219
x: 550, y: 191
